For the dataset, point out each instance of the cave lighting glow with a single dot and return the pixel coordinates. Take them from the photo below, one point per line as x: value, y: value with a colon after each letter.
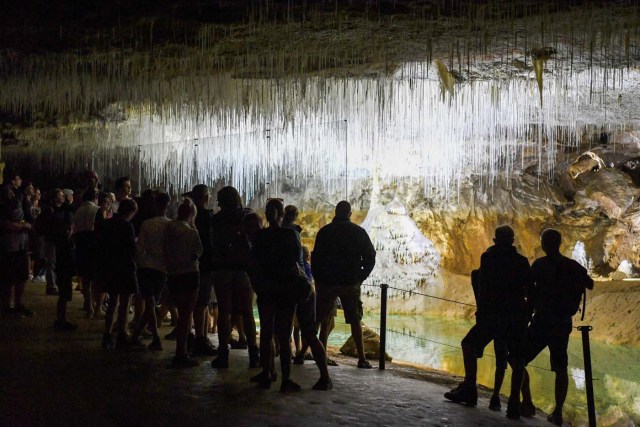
x: 336, y: 130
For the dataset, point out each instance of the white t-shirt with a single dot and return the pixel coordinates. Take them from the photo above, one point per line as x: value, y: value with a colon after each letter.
x: 150, y: 244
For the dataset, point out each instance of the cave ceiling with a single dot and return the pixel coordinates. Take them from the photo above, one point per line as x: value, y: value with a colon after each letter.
x: 67, y: 62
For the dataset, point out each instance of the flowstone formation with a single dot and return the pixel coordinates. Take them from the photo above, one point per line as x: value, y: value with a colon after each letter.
x: 405, y: 258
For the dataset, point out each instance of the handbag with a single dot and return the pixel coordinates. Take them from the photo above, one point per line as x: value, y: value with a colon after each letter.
x: 300, y: 286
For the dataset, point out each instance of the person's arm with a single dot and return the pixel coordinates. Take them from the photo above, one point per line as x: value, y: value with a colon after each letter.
x: 196, y: 244
x: 142, y: 239
x: 368, y: 255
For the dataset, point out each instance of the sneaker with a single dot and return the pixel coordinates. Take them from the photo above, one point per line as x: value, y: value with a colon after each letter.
x: 254, y: 358
x: 527, y: 409
x: 298, y: 360
x: 30, y: 276
x: 64, y: 325
x: 184, y: 362
x: 155, y: 345
x: 52, y: 291
x: 463, y: 393
x: 323, y: 384
x: 12, y: 312
x: 331, y: 362
x: 555, y: 418
x: 220, y: 362
x: 39, y: 279
x: 494, y: 403
x: 146, y: 333
x: 262, y: 377
x: 202, y: 346
x: 289, y: 386
x: 24, y: 311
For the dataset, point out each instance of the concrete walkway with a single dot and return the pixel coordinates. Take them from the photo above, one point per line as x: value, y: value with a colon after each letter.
x: 65, y: 378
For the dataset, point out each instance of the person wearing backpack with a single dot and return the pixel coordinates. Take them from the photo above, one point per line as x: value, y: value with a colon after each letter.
x: 559, y: 286
x: 504, y: 283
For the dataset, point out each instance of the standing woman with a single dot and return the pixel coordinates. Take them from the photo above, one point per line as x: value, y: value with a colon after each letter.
x: 182, y: 249
x: 276, y: 251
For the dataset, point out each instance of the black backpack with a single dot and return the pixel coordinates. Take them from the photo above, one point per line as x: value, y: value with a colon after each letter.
x: 570, y: 292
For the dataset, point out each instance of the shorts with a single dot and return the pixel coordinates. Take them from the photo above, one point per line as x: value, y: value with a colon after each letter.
x: 151, y: 282
x: 178, y: 283
x: 349, y: 296
x: 306, y: 316
x: 14, y: 268
x: 511, y: 334
x: 121, y: 284
x: 205, y: 292
x: 552, y: 335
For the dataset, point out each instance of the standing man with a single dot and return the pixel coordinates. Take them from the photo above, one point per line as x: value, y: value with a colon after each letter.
x: 559, y: 283
x: 202, y: 346
x: 501, y: 315
x: 342, y: 259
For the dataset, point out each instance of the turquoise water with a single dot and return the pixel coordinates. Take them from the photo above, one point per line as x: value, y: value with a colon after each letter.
x: 435, y: 343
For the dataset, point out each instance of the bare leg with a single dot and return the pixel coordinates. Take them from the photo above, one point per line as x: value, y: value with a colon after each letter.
x: 356, y: 333
x: 561, y: 387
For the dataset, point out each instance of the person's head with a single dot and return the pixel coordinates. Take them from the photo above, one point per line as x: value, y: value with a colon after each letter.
x: 229, y: 198
x: 290, y: 214
x: 127, y: 209
x: 162, y: 202
x: 504, y: 236
x: 68, y: 195
x: 551, y: 240
x: 251, y: 223
x: 91, y: 179
x: 104, y: 201
x: 57, y: 197
x: 15, y: 181
x: 187, y: 211
x: 90, y: 195
x: 113, y: 197
x: 343, y: 210
x: 200, y: 195
x: 123, y: 187
x: 37, y: 195
x: 274, y: 212
x: 306, y: 254
x: 28, y: 189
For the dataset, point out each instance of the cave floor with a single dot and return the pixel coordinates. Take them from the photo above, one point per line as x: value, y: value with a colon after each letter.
x: 64, y: 378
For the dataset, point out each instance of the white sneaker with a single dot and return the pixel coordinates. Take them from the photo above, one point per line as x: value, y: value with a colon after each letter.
x: 39, y: 279
x: 30, y: 276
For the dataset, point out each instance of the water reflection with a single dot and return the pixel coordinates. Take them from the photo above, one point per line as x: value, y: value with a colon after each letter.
x: 435, y: 343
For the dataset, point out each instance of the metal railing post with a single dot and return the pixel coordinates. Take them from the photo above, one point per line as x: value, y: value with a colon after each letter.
x: 586, y: 350
x: 383, y: 325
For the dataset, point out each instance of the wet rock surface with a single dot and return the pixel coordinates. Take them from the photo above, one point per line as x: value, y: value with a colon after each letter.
x: 59, y: 378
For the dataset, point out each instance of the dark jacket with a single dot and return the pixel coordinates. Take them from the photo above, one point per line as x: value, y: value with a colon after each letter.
x: 505, y: 281
x: 343, y: 254
x: 276, y: 252
x: 226, y: 230
x: 204, y: 224
x: 118, y: 249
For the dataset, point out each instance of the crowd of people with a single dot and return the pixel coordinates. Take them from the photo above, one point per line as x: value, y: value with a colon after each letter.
x: 149, y: 256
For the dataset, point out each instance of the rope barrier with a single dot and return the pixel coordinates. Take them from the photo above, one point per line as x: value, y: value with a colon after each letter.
x: 411, y: 292
x: 419, y: 338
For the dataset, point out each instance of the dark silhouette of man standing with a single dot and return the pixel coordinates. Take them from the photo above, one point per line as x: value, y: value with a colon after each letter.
x: 502, y: 315
x: 343, y: 258
x: 558, y: 286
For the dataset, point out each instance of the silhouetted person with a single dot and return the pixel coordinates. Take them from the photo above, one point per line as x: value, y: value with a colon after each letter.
x: 504, y: 281
x: 343, y: 258
x: 558, y: 286
x: 500, y: 350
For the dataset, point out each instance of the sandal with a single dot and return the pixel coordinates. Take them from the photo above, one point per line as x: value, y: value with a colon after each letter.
x: 364, y: 364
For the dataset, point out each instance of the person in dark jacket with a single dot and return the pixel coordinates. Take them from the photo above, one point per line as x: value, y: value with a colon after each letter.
x: 343, y: 258
x: 231, y: 279
x: 119, y: 253
x: 502, y: 314
x: 202, y: 346
x: 552, y: 300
